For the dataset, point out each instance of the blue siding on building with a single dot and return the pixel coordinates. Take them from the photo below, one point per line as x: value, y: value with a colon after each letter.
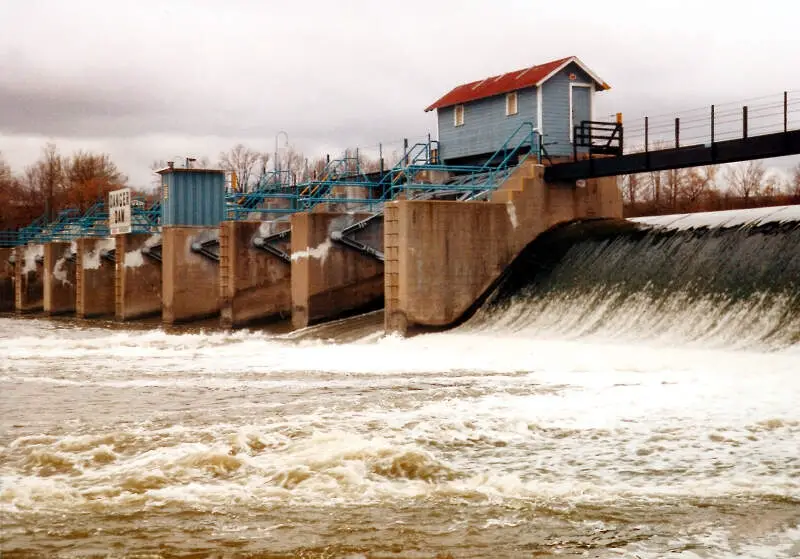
x: 486, y: 126
x: 555, y: 110
x: 192, y: 197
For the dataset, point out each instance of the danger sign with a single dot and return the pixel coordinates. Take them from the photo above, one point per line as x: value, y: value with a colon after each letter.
x: 119, y: 211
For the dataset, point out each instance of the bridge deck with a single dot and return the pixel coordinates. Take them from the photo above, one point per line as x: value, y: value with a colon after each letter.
x: 730, y: 151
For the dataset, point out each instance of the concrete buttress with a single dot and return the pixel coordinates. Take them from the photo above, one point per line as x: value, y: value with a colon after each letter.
x: 59, y: 278
x: 138, y: 276
x: 190, y: 281
x: 255, y: 283
x: 94, y: 275
x: 329, y: 279
x: 7, y: 297
x: 441, y: 256
x: 29, y: 278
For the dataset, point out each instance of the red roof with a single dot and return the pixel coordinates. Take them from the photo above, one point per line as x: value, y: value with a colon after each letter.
x: 512, y: 81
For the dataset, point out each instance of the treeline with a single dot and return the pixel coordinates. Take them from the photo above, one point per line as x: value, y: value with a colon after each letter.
x: 710, y: 188
x: 253, y: 167
x: 56, y: 182
x: 53, y: 183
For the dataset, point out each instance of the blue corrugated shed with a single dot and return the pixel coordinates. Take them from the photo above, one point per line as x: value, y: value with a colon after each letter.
x: 192, y: 196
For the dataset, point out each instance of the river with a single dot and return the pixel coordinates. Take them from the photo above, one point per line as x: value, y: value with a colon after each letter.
x: 479, y: 442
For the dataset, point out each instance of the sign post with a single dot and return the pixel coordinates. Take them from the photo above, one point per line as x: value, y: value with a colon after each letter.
x: 119, y: 211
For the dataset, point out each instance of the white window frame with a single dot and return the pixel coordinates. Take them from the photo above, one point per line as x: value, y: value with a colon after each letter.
x: 539, y: 109
x: 573, y: 85
x: 509, y: 96
x: 456, y: 123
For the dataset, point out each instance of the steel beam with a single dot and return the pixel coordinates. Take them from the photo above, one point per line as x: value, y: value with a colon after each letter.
x: 730, y: 151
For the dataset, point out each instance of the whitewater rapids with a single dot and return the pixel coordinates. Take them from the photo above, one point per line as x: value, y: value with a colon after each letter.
x: 482, y: 442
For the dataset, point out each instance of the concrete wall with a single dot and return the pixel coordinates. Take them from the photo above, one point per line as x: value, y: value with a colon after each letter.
x: 254, y: 284
x: 330, y: 280
x: 59, y: 278
x: 94, y: 274
x: 442, y: 256
x: 190, y: 282
x: 6, y: 280
x: 138, y: 277
x: 28, y: 278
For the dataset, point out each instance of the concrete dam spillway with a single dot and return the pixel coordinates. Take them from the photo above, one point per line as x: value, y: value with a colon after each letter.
x: 729, y: 279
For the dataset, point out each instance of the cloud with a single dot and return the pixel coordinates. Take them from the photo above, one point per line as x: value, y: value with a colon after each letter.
x: 158, y: 78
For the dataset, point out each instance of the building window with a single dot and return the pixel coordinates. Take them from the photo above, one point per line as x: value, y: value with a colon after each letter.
x: 458, y: 115
x: 511, y: 104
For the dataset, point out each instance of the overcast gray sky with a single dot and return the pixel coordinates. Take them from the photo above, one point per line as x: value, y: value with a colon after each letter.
x: 157, y: 79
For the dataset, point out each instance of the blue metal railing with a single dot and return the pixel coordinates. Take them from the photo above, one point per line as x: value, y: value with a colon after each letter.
x: 9, y: 239
x: 407, y: 175
x: 476, y: 179
x: 276, y: 193
x: 144, y: 218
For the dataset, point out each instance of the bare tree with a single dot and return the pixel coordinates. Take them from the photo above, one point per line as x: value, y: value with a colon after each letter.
x: 699, y: 181
x: 794, y: 182
x: 630, y: 186
x: 45, y: 179
x: 246, y: 163
x: 746, y: 179
x: 5, y: 170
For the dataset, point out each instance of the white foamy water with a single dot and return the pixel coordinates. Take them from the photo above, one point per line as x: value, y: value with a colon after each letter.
x: 479, y: 443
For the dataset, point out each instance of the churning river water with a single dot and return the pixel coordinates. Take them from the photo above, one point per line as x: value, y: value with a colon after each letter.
x: 626, y: 391
x: 481, y: 442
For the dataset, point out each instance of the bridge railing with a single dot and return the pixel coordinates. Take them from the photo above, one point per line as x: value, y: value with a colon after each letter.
x: 9, y: 239
x: 414, y: 171
x: 478, y: 179
x: 714, y: 123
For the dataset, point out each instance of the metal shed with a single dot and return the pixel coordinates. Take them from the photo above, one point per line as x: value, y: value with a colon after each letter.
x: 192, y: 196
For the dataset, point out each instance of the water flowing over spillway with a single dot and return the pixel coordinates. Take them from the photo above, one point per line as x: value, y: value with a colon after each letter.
x: 613, y: 398
x: 729, y: 279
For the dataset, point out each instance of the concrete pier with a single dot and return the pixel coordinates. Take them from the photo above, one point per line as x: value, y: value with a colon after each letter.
x: 138, y: 277
x: 442, y: 256
x: 255, y: 284
x: 6, y: 280
x: 29, y: 278
x: 59, y: 278
x: 190, y: 282
x: 94, y: 274
x: 330, y: 279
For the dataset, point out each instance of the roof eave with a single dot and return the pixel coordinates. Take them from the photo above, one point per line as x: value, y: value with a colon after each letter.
x: 574, y: 59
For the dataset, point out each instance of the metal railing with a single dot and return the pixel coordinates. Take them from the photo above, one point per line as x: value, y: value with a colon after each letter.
x: 71, y: 224
x: 714, y: 123
x: 479, y: 179
x: 597, y: 138
x: 414, y: 172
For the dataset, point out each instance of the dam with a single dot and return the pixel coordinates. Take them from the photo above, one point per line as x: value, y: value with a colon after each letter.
x: 426, y: 239
x: 456, y: 357
x: 627, y: 387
